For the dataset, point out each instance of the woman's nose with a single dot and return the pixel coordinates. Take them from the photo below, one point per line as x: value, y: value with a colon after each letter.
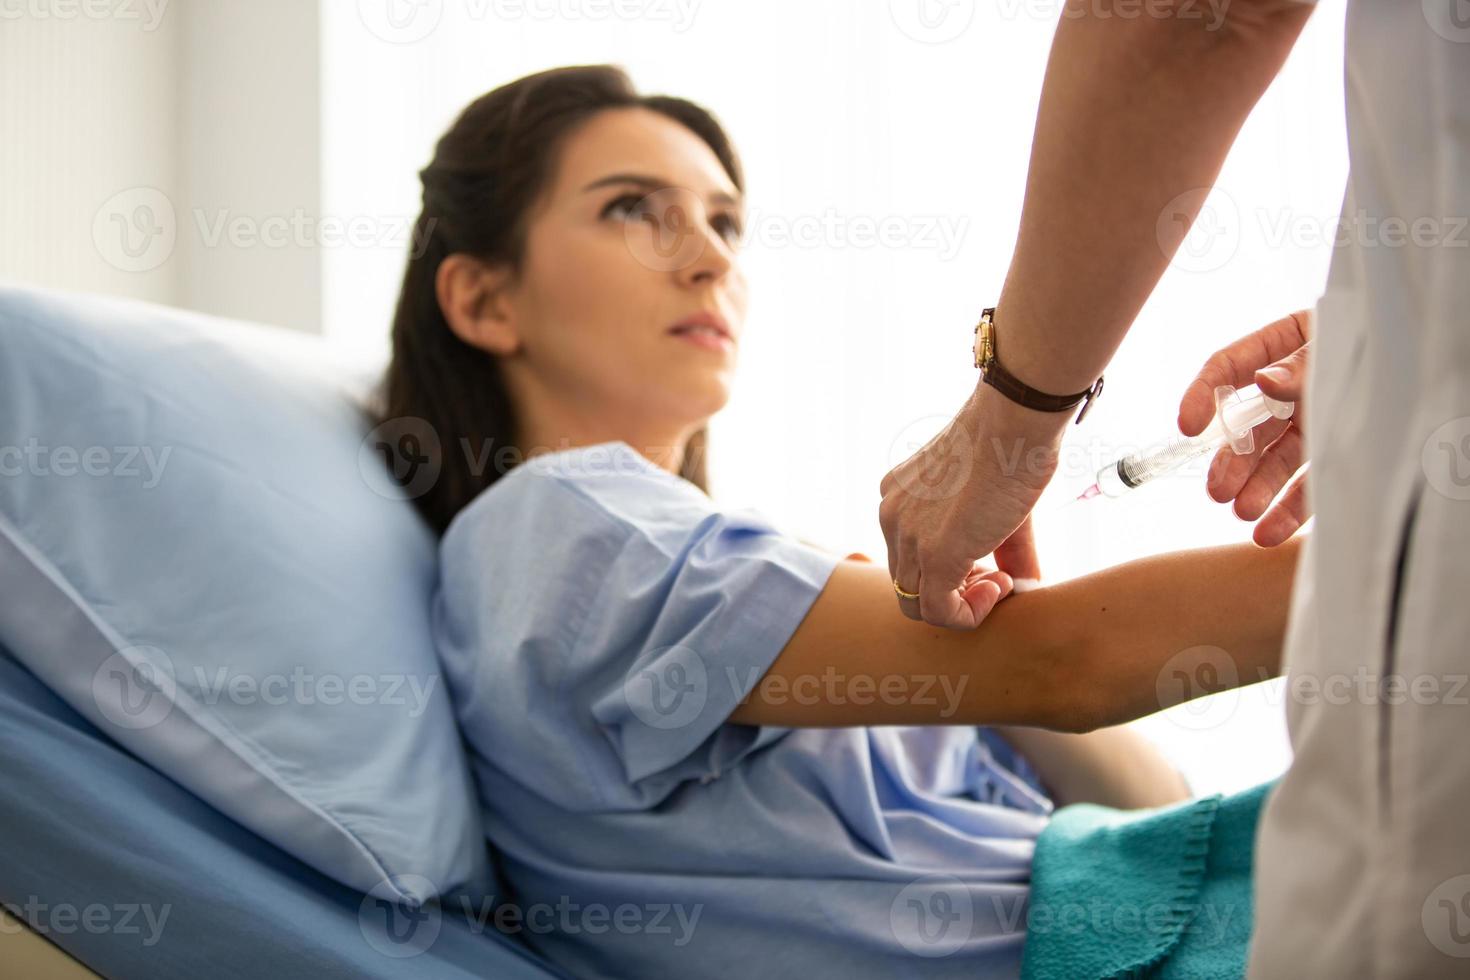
x: 712, y: 259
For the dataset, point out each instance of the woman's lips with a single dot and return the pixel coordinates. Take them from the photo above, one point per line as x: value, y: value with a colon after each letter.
x: 706, y: 337
x: 706, y: 329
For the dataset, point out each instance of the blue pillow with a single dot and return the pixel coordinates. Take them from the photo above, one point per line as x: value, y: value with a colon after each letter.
x: 199, y: 553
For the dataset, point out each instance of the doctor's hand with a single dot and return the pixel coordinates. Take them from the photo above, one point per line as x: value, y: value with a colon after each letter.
x: 1275, y: 358
x: 966, y: 494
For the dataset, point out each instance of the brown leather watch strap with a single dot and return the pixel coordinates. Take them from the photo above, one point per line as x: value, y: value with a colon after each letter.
x: 993, y: 374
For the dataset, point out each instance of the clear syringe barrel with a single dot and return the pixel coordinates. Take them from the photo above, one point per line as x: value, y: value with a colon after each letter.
x: 1139, y: 468
x: 1237, y: 413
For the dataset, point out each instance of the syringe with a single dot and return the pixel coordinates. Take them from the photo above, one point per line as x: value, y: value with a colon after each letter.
x: 1237, y: 413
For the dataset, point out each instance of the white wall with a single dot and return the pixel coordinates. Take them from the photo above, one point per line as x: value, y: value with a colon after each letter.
x: 166, y: 150
x: 88, y: 125
x: 250, y: 160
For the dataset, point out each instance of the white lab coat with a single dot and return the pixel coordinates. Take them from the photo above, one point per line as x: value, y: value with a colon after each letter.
x: 1363, y: 858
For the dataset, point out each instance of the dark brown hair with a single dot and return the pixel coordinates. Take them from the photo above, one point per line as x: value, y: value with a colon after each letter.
x: 488, y: 172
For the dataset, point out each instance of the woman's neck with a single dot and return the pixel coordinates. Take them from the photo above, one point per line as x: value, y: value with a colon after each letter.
x: 552, y: 421
x: 663, y: 448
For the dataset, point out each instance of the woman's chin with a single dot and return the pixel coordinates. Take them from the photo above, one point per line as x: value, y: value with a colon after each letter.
x: 702, y: 396
x: 714, y: 401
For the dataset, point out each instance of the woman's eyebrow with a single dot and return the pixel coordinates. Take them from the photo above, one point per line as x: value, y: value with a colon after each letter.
x: 654, y: 184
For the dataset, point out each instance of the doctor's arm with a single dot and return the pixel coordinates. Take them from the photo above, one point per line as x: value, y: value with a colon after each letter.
x: 1139, y: 106
x: 1137, y: 113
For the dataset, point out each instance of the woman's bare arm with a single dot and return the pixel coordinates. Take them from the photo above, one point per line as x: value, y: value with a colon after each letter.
x: 1071, y: 657
x: 1114, y: 766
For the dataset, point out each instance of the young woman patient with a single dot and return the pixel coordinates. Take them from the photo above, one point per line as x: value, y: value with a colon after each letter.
x: 704, y: 747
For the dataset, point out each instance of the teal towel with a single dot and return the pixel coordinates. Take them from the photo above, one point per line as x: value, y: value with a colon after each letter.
x: 1162, y: 893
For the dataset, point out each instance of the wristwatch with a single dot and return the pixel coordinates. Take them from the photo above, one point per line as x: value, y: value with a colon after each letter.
x: 1014, y: 388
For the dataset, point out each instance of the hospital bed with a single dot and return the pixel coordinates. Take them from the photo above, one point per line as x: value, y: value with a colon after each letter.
x: 86, y: 826
x: 113, y: 863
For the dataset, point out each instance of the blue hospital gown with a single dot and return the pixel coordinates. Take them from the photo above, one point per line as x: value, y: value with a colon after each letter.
x: 598, y: 619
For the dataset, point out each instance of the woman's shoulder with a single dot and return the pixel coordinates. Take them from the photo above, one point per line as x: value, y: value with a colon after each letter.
x: 583, y: 489
x: 617, y: 478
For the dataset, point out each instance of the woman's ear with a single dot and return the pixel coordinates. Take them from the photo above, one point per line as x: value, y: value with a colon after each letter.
x: 474, y: 297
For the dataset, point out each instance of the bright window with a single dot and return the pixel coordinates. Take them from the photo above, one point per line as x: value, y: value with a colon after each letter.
x: 886, y: 148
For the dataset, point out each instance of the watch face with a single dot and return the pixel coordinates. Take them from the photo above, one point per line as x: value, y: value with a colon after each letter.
x: 983, y: 349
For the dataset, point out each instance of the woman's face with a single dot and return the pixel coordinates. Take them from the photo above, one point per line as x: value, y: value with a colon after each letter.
x: 636, y: 235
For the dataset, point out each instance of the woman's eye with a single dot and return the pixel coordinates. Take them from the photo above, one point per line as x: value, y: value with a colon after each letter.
x: 641, y: 207
x: 632, y: 203
x: 729, y: 226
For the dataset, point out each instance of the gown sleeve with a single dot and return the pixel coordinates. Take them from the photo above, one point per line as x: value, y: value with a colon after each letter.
x: 633, y: 618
